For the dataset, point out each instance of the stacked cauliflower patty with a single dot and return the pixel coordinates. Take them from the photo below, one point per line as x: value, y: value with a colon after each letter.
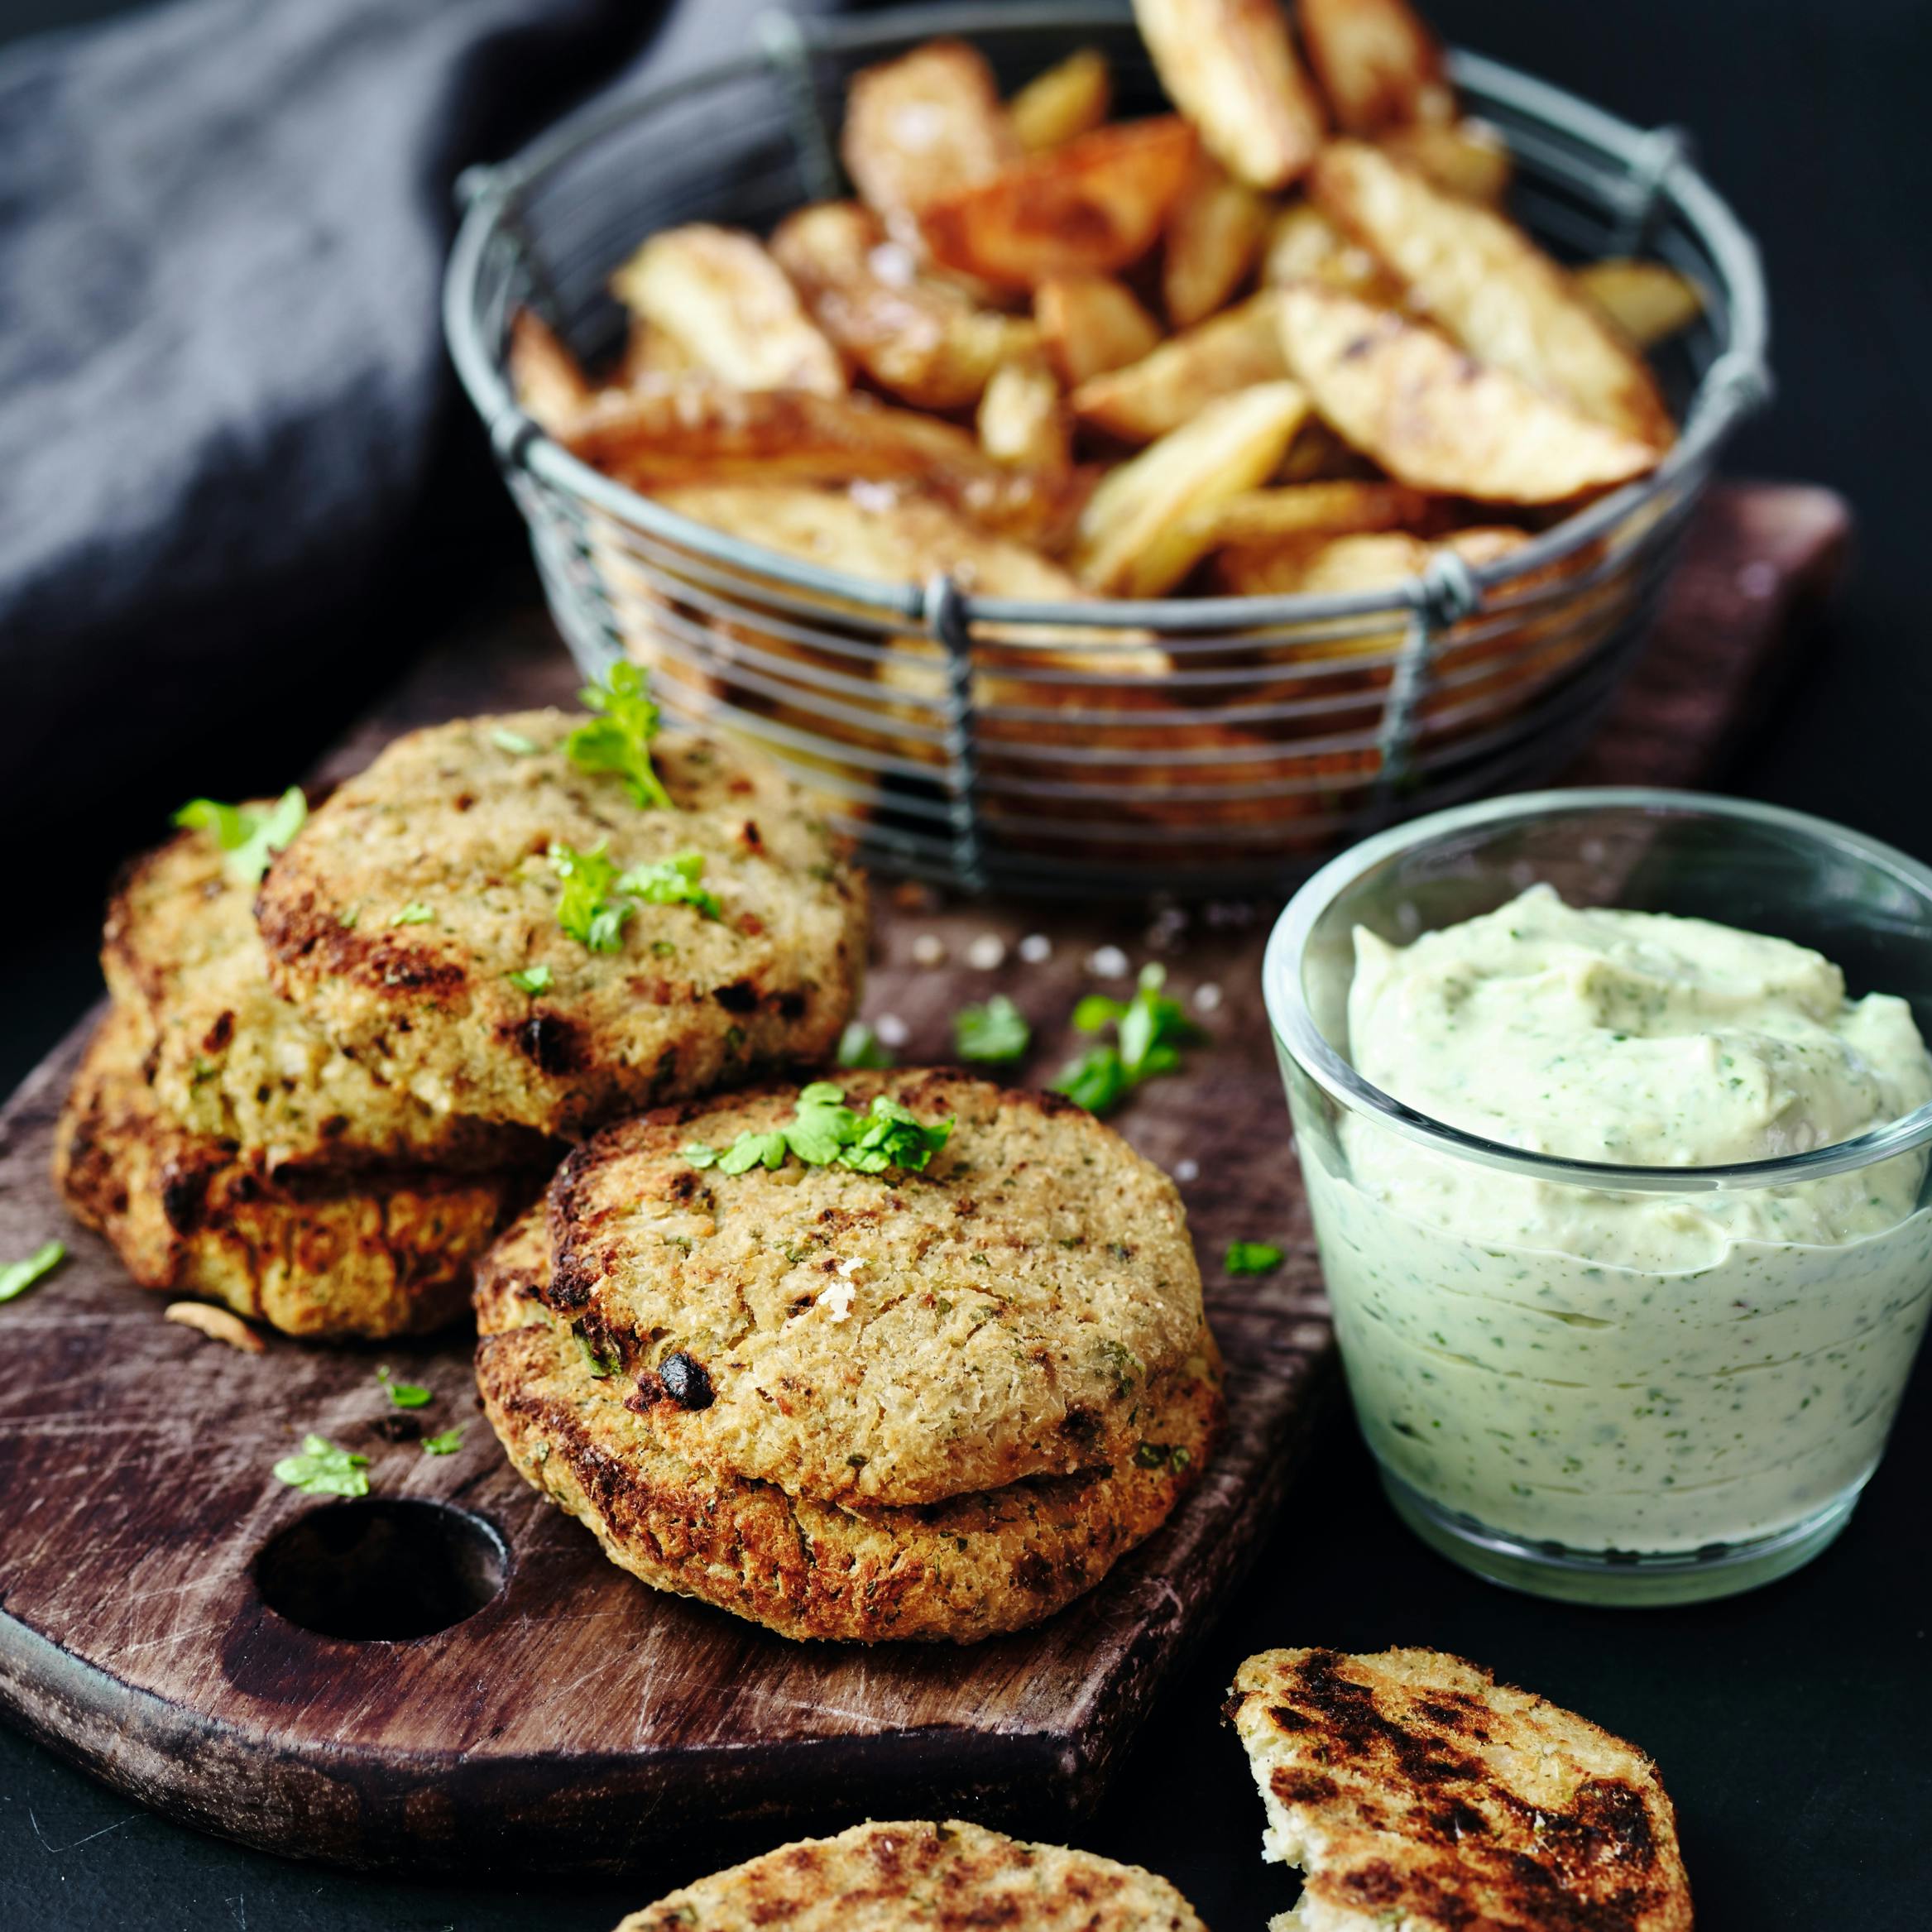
x: 335, y: 1062
x: 936, y: 1401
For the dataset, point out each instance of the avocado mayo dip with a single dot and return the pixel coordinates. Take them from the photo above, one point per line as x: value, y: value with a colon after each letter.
x: 1648, y: 1373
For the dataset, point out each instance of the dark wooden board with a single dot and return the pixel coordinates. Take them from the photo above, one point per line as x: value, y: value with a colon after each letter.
x: 579, y: 1720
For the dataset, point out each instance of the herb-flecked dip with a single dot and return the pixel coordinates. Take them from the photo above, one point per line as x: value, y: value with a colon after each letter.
x: 1648, y: 1372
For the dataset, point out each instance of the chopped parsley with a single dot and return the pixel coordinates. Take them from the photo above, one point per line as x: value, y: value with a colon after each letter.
x: 1149, y: 1031
x: 405, y: 1395
x: 1253, y: 1257
x: 447, y: 1444
x: 859, y: 1046
x: 17, y: 1276
x: 824, y: 1132
x: 600, y: 1361
x: 618, y: 738
x: 514, y: 742
x: 249, y: 839
x: 415, y: 914
x: 994, y: 1035
x: 323, y: 1470
x: 531, y: 978
x: 586, y: 912
x: 672, y: 882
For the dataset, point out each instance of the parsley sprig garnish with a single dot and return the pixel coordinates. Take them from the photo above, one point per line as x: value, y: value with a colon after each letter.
x: 323, y: 1470
x: 618, y: 738
x: 1253, y: 1257
x: 994, y: 1035
x: 405, y: 1395
x: 824, y: 1132
x: 17, y: 1276
x: 445, y: 1444
x: 598, y: 900
x: 248, y: 839
x: 1149, y: 1031
x: 859, y: 1046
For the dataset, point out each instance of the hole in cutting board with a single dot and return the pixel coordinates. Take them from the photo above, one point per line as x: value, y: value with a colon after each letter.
x: 382, y: 1570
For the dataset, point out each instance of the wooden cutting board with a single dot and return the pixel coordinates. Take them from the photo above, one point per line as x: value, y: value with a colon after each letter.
x: 575, y: 1719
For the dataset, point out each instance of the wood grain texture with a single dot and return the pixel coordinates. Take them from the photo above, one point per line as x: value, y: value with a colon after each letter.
x: 579, y: 1720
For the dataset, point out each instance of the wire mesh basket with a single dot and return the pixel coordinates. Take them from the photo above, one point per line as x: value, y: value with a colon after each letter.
x: 1201, y: 745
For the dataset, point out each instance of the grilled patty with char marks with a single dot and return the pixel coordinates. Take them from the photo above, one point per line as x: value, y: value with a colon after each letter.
x: 581, y: 1431
x: 923, y: 1878
x: 368, y: 1253
x: 890, y: 1337
x: 1414, y: 1790
x: 400, y: 910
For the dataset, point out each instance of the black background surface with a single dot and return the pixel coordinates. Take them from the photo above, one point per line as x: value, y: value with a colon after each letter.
x: 1793, y: 1725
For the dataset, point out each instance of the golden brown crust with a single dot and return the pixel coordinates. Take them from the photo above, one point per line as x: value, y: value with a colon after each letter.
x: 955, y: 1571
x: 1415, y: 1790
x: 923, y: 1878
x: 398, y: 912
x: 890, y: 1338
x: 367, y: 1253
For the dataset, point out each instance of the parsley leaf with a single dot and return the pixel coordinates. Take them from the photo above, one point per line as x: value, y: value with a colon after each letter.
x: 824, y: 1132
x: 1253, y: 1257
x: 447, y: 1444
x: 603, y: 1362
x: 531, y: 978
x: 859, y: 1046
x: 585, y: 912
x: 618, y: 739
x: 994, y: 1035
x: 250, y: 839
x: 323, y: 1470
x: 672, y: 882
x: 1149, y: 1031
x: 405, y: 1395
x: 17, y: 1276
x: 514, y: 742
x: 415, y: 914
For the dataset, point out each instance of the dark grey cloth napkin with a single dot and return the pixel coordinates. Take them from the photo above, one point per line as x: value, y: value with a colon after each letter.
x: 223, y: 225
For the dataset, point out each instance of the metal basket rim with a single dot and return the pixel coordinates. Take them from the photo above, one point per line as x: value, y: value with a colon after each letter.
x: 1737, y: 380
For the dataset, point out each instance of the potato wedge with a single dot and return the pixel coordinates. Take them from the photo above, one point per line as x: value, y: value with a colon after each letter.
x: 924, y: 126
x: 1090, y: 207
x: 1134, y: 539
x: 1151, y: 398
x: 1089, y: 324
x: 662, y: 435
x: 1403, y: 393
x: 925, y: 340
x: 1491, y: 288
x: 1214, y: 234
x: 1301, y: 510
x: 1231, y: 68
x: 650, y: 352
x: 548, y: 382
x: 1378, y: 64
x: 1304, y: 244
x: 1023, y: 417
x: 1068, y: 100
x: 1467, y: 157
x: 1344, y: 566
x: 724, y: 301
x: 1647, y: 300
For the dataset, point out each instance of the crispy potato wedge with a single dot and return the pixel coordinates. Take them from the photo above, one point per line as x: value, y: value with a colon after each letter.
x: 1378, y: 65
x: 1342, y: 566
x: 923, y: 339
x: 1317, y: 455
x: 1214, y: 234
x: 549, y: 384
x: 1068, y: 100
x: 1090, y: 207
x: 1231, y: 68
x: 1153, y: 397
x: 663, y: 434
x: 649, y: 352
x: 1135, y: 539
x: 1024, y: 419
x: 924, y: 126
x: 718, y: 295
x: 1089, y: 324
x: 1404, y: 393
x: 1491, y: 288
x: 1647, y: 300
x: 1468, y: 157
x: 1300, y: 511
x: 1304, y: 244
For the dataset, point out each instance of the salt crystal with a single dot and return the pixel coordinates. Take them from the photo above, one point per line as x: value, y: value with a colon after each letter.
x: 1187, y: 1170
x: 891, y: 1031
x: 1107, y: 962
x: 928, y: 950
x: 1207, y: 997
x: 987, y: 952
x: 1036, y: 948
